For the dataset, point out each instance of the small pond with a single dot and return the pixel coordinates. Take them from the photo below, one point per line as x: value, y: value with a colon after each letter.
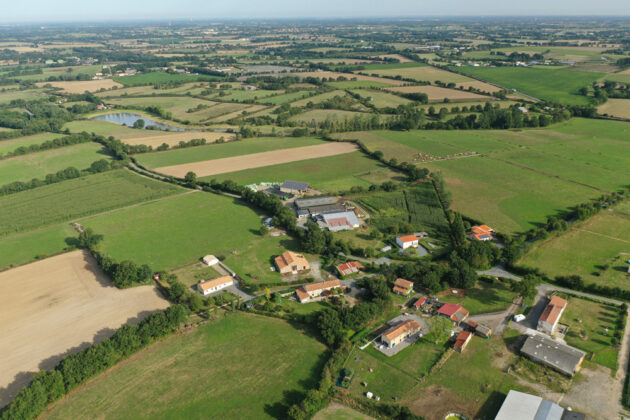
x: 129, y: 118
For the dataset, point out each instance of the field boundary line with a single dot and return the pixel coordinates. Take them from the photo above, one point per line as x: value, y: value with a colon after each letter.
x: 518, y: 165
x: 602, y: 234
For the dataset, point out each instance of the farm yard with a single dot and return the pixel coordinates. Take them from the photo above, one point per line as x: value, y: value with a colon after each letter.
x: 66, y: 304
x: 239, y: 348
x: 258, y: 160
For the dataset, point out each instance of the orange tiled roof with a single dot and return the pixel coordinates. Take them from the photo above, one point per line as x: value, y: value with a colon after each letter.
x: 301, y: 294
x: 405, y: 284
x: 321, y: 285
x: 408, y: 238
x: 553, y: 310
x: 402, y: 328
x: 206, y: 285
x: 287, y: 258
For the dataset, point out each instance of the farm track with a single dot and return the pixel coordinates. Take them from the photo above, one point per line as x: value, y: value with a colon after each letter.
x: 539, y: 172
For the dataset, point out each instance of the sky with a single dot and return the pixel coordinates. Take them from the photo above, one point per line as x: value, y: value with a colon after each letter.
x: 99, y: 10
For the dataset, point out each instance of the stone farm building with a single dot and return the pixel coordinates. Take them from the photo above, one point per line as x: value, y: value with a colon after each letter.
x: 291, y: 263
x: 551, y: 315
x: 294, y: 187
x: 407, y: 241
x: 308, y: 291
x: 345, y: 220
x: 402, y: 287
x: 348, y: 268
x: 399, y: 332
x: 454, y: 312
x: 462, y: 340
x: 481, y: 233
x: 207, y: 287
x: 549, y: 352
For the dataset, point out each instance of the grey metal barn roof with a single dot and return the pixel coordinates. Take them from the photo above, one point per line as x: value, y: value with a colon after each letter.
x: 546, y: 350
x: 295, y: 185
x: 522, y: 406
x: 301, y: 203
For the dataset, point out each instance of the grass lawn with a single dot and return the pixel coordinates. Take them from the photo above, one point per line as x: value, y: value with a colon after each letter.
x: 334, y: 173
x: 252, y: 259
x: 416, y: 359
x: 336, y: 411
x: 10, y: 145
x: 558, y: 85
x: 385, y: 380
x: 172, y: 233
x: 78, y: 197
x: 596, y: 249
x: 39, y: 164
x: 483, y: 298
x: 25, y: 247
x: 218, y: 151
x: 588, y: 322
x: 240, y: 366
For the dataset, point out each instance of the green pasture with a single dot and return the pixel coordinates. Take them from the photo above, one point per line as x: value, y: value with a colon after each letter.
x: 557, y: 85
x: 172, y: 233
x: 9, y: 145
x: 162, y: 78
x: 382, y: 99
x: 483, y: 298
x: 209, y: 372
x: 25, y: 247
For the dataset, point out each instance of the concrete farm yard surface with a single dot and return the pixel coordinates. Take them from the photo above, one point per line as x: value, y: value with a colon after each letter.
x: 59, y: 305
x: 258, y: 160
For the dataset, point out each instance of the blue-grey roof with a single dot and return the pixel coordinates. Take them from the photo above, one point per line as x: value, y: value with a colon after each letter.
x: 553, y: 353
x: 349, y: 215
x: 295, y: 185
x: 522, y: 406
x: 301, y: 203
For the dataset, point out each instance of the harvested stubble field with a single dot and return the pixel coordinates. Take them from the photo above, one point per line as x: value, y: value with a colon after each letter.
x: 436, y: 93
x: 58, y: 306
x: 258, y: 160
x: 616, y: 107
x: 173, y: 139
x: 218, y: 151
x: 83, y: 85
x: 423, y: 74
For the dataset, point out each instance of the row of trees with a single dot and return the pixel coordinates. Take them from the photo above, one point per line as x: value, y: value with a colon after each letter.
x: 64, y: 174
x: 73, y: 370
x: 50, y: 144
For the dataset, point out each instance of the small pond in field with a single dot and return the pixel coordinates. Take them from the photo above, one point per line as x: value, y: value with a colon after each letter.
x: 129, y: 118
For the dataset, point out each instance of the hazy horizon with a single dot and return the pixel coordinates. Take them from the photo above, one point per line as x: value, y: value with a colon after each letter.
x: 41, y: 11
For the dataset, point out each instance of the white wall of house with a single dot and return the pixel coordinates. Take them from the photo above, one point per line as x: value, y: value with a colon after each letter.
x: 214, y: 289
x: 405, y: 245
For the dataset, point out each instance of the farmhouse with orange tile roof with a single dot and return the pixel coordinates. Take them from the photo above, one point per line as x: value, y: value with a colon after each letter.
x: 312, y: 290
x: 291, y: 263
x: 407, y: 241
x: 481, y: 233
x: 207, y: 287
x: 403, y: 287
x: 551, y: 315
x: 399, y: 332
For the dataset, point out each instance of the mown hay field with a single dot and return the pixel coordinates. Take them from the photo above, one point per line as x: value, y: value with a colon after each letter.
x: 422, y: 74
x: 436, y: 93
x: 257, y: 160
x: 616, y: 107
x: 220, y: 363
x: 83, y: 85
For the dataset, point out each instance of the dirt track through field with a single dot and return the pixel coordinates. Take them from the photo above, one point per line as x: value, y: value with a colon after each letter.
x: 58, y: 306
x: 258, y: 160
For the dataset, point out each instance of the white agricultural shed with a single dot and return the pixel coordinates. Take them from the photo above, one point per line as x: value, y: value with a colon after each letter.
x: 210, y: 260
